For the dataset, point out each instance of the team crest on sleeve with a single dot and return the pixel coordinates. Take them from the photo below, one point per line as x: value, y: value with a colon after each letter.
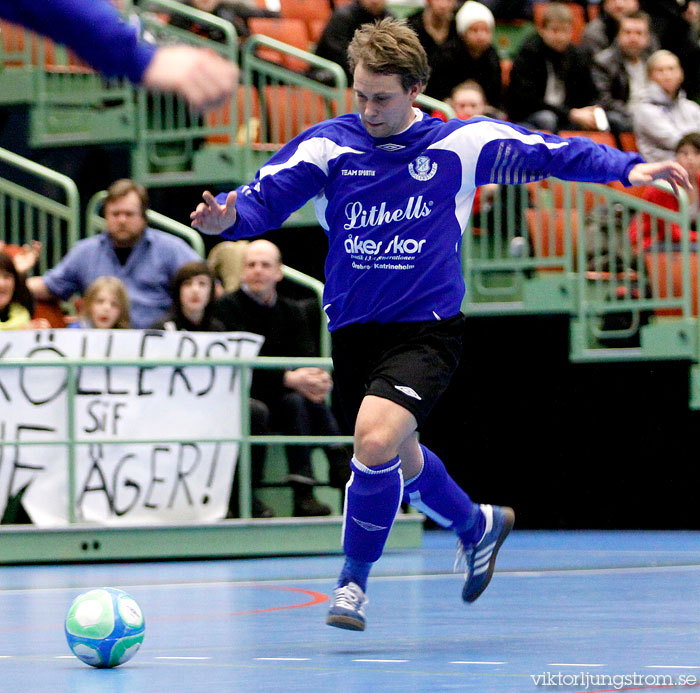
x: 422, y: 168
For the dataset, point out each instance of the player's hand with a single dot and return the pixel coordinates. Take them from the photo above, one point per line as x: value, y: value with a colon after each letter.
x: 312, y: 383
x: 212, y: 218
x: 671, y: 171
x: 200, y: 75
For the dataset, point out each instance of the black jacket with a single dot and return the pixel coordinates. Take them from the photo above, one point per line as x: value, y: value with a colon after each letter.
x: 528, y: 79
x: 452, y: 65
x: 284, y: 327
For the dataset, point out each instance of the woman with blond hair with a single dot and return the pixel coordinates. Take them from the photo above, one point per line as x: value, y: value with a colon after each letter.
x: 664, y: 113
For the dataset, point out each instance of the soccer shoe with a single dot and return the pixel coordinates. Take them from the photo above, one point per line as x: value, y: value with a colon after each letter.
x: 348, y: 608
x: 479, y: 559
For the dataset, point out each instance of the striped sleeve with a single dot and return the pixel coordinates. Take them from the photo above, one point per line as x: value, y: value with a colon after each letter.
x: 510, y: 154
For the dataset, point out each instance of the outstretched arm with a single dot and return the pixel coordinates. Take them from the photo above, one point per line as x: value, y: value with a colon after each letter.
x: 96, y: 32
x: 671, y: 171
x: 213, y: 218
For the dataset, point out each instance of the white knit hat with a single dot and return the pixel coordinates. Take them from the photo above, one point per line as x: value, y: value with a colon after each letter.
x: 471, y: 12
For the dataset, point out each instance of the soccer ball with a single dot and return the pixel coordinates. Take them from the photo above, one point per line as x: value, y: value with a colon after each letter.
x: 104, y: 627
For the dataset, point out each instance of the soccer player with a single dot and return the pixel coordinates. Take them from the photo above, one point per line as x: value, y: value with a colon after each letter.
x: 393, y: 189
x: 94, y: 30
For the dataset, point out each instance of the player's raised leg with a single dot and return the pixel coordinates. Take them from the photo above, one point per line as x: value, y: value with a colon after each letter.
x: 480, y: 529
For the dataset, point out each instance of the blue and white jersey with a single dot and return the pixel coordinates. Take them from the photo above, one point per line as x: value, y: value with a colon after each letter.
x: 395, y: 208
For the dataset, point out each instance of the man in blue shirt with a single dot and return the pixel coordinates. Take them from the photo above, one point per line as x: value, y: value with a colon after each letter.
x: 394, y: 189
x: 144, y: 259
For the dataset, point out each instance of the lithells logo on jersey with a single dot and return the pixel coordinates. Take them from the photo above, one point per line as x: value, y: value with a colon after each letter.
x: 422, y: 168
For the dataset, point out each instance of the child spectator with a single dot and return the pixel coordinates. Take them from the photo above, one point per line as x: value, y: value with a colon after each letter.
x: 193, y: 293
x: 688, y: 155
x: 105, y: 306
x: 16, y: 304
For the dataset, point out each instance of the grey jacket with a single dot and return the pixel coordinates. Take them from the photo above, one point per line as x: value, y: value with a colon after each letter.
x: 659, y: 122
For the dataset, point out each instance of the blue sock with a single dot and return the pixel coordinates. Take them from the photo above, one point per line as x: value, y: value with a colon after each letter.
x: 436, y: 494
x: 372, y: 499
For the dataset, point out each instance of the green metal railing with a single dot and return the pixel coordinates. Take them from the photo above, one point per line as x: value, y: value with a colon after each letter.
x: 76, y: 105
x: 245, y: 438
x: 26, y: 215
x: 619, y: 276
x: 172, y: 145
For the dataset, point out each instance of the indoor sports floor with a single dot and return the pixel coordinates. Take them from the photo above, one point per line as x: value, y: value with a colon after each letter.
x: 566, y: 611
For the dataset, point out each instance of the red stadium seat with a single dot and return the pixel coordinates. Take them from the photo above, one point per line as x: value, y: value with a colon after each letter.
x: 291, y: 31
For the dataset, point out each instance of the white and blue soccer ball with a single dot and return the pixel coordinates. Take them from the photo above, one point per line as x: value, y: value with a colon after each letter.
x: 104, y: 627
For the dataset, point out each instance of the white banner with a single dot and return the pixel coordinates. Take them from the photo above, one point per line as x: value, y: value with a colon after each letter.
x: 120, y: 480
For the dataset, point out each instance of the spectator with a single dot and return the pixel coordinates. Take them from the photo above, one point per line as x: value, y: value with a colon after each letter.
x: 664, y: 114
x: 600, y: 33
x: 193, y: 294
x: 16, y: 304
x: 469, y: 100
x: 551, y: 87
x: 144, y: 259
x: 472, y: 56
x: 295, y: 398
x: 226, y: 260
x: 675, y: 23
x: 105, y: 306
x: 237, y: 13
x: 339, y: 31
x: 688, y: 155
x: 435, y: 26
x: 620, y: 73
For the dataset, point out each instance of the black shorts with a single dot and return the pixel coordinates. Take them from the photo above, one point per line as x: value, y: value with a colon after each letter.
x: 410, y: 363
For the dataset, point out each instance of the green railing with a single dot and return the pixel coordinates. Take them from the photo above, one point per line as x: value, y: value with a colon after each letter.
x: 75, y: 105
x: 26, y: 215
x: 17, y: 69
x: 176, y: 144
x: 621, y: 284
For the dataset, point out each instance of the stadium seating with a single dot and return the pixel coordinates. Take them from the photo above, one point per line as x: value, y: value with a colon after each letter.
x: 291, y: 31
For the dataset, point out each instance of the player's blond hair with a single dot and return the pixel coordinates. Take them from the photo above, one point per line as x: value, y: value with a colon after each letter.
x: 390, y: 47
